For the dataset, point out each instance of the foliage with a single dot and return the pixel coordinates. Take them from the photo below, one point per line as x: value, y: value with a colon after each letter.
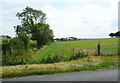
x: 63, y: 39
x: 53, y: 58
x: 42, y: 34
x: 5, y: 37
x: 24, y: 38
x: 112, y: 34
x: 17, y: 44
x: 79, y: 54
x: 56, y: 39
x: 33, y: 26
x: 117, y: 34
x: 5, y: 45
x: 33, y: 23
x: 11, y: 50
x: 33, y: 44
x: 66, y: 39
x: 15, y: 52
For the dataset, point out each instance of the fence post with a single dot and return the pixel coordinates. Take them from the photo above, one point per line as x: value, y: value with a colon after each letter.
x: 73, y: 51
x: 98, y: 45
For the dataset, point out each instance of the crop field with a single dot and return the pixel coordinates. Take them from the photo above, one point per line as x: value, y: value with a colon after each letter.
x: 108, y: 46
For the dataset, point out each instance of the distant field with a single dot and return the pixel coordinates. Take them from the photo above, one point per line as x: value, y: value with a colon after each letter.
x: 108, y: 45
x: 0, y: 41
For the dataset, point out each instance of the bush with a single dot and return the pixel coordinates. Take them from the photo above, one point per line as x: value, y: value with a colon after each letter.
x: 33, y: 44
x: 79, y: 54
x: 5, y: 45
x: 24, y: 38
x: 15, y: 52
x: 53, y: 58
x: 60, y: 58
x: 17, y: 44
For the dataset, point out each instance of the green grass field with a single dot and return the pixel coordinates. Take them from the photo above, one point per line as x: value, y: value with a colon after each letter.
x: 90, y: 62
x: 0, y: 41
x: 108, y: 46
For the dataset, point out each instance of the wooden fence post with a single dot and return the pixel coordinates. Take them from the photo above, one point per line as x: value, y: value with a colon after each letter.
x: 73, y: 51
x: 98, y: 45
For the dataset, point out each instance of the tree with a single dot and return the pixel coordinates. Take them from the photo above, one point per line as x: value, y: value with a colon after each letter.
x: 111, y: 35
x: 24, y: 38
x: 57, y: 39
x: 117, y: 34
x: 33, y: 22
x: 63, y: 39
x: 5, y: 37
x: 42, y: 34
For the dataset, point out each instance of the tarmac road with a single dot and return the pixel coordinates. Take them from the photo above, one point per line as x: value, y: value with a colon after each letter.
x: 97, y: 75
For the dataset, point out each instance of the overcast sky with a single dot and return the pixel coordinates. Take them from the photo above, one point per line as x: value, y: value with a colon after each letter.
x: 76, y: 18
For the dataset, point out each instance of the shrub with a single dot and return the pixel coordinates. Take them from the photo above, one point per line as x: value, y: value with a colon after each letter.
x: 61, y: 57
x: 24, y: 38
x: 33, y: 44
x: 17, y: 44
x: 53, y: 58
x: 79, y: 54
x: 5, y: 45
x: 14, y: 52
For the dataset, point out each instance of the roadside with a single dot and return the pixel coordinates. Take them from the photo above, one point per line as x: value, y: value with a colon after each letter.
x: 98, y: 75
x: 89, y: 63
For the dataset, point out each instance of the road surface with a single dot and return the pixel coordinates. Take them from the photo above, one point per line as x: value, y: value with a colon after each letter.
x: 97, y: 75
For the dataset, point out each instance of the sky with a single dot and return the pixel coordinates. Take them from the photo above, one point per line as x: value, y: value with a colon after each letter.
x: 67, y: 18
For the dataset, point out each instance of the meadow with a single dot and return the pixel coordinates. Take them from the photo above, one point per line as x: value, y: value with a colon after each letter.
x: 108, y: 46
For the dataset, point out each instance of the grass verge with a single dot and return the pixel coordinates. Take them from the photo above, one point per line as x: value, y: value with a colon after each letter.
x: 83, y: 64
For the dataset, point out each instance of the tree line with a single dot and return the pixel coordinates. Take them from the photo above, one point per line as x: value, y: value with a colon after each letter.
x: 117, y: 34
x: 66, y: 39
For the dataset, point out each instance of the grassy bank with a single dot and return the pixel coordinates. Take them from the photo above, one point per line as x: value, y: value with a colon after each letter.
x: 87, y: 63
